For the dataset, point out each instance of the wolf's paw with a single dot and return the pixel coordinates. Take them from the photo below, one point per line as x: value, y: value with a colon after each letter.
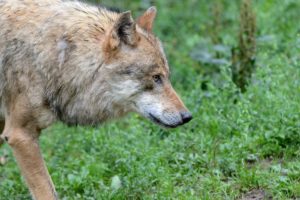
x: 3, y: 160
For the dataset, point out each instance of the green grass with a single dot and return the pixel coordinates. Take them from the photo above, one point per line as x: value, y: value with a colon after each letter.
x: 236, y: 142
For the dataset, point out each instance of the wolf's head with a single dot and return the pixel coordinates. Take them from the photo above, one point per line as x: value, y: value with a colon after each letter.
x: 136, y: 60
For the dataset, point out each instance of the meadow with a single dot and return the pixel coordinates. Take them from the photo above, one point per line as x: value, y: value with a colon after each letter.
x: 238, y: 145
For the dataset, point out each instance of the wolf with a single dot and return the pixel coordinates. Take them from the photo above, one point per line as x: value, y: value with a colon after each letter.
x: 80, y: 64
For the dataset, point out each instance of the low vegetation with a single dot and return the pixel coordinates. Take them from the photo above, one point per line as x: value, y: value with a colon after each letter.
x: 238, y: 144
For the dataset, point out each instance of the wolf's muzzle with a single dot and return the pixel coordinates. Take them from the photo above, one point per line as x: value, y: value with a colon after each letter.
x: 186, y: 117
x: 183, y: 118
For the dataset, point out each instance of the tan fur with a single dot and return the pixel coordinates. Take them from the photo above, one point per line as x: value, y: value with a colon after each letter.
x: 82, y: 65
x: 147, y: 19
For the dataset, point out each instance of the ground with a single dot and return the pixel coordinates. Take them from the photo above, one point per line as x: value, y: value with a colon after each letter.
x: 238, y: 146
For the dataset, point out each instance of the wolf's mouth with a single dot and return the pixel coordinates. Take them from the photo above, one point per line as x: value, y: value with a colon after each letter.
x: 159, y: 122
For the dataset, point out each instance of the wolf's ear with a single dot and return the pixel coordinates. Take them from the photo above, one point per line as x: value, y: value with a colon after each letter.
x: 146, y: 20
x: 124, y: 30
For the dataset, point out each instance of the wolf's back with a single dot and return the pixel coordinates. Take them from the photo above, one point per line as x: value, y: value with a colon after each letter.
x: 31, y: 30
x: 51, y: 48
x: 20, y: 21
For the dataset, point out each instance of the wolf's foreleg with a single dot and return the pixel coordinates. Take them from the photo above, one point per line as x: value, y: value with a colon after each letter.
x: 27, y: 153
x: 1, y: 130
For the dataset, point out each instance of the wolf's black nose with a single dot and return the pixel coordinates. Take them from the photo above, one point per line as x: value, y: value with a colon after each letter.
x: 186, y: 117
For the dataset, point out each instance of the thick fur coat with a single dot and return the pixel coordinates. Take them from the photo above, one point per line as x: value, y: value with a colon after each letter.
x: 82, y: 65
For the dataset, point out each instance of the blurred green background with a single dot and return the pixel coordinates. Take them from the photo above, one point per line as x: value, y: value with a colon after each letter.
x: 238, y: 144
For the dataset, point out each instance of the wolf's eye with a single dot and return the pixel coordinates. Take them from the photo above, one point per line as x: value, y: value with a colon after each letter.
x: 157, y: 79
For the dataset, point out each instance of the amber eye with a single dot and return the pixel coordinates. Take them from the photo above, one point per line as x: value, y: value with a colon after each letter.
x: 157, y: 79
